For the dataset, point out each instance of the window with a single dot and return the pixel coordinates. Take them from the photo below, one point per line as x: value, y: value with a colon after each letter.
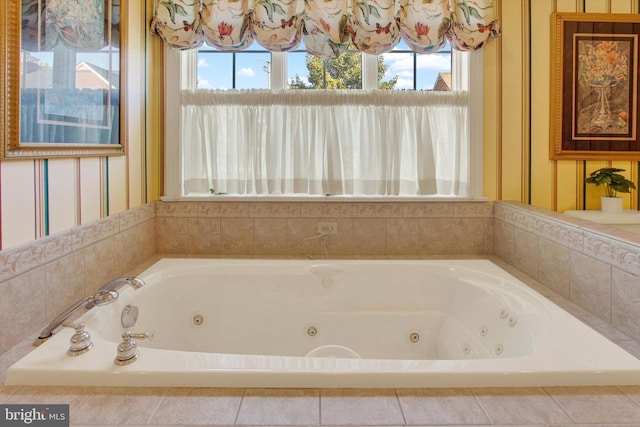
x: 400, y: 69
x: 466, y: 159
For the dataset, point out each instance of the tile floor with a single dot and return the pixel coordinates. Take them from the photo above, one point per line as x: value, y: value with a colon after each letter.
x: 522, y: 407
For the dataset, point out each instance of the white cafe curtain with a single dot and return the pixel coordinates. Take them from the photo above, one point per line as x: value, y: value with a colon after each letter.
x: 261, y: 142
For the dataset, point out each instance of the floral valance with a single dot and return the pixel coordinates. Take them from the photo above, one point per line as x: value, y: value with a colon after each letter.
x: 326, y: 27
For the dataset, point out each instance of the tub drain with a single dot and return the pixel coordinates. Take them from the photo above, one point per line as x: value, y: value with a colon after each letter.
x: 312, y: 331
x: 414, y: 337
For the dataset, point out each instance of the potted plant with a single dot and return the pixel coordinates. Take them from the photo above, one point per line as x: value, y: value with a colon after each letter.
x: 613, y: 183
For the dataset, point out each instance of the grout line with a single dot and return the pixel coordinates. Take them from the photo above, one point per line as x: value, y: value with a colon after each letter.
x: 404, y: 419
x: 320, y: 407
x: 244, y: 393
x: 558, y: 404
x: 153, y: 413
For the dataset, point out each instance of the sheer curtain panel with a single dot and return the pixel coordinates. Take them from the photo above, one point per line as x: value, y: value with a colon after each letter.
x: 325, y: 143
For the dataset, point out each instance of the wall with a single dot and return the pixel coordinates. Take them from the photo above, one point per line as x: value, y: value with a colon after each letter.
x: 516, y: 129
x: 517, y: 100
x: 81, y: 190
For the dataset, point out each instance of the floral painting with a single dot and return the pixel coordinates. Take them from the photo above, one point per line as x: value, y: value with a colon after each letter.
x: 594, y: 86
x: 603, y: 99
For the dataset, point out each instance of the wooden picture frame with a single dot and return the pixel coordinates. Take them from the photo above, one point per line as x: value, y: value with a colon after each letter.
x: 594, y: 86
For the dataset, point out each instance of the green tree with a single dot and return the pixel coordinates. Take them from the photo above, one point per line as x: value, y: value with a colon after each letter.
x: 345, y: 72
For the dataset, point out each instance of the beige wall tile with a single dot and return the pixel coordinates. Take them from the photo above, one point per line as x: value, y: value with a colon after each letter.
x: 564, y: 234
x: 473, y: 210
x: 625, y: 303
x: 378, y: 210
x: 428, y: 210
x: 302, y: 237
x: 223, y: 209
x: 591, y: 285
x: 270, y: 236
x: 403, y: 236
x: 521, y: 218
x: 172, y: 235
x: 275, y: 210
x: 26, y: 292
x: 236, y: 236
x: 326, y: 210
x: 203, y: 236
x: 20, y: 259
x: 137, y: 216
x: 340, y: 244
x: 369, y: 236
x: 553, y: 266
x: 489, y: 236
x: 64, y: 283
x: 99, y: 264
x: 435, y: 236
x: 176, y: 209
x: 467, y: 235
x: 525, y: 251
x: 504, y: 243
x: 136, y: 244
x: 622, y: 255
x: 95, y: 231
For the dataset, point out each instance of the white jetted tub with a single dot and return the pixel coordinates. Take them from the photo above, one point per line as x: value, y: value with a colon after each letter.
x: 294, y: 323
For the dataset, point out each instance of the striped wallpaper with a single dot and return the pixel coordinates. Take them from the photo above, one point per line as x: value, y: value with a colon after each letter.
x: 45, y: 196
x: 517, y: 100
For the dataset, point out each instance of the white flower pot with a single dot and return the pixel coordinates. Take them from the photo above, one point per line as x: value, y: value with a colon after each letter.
x: 611, y: 204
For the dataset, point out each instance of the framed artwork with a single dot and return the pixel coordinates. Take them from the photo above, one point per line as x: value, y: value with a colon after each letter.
x: 594, y: 87
x: 62, y: 78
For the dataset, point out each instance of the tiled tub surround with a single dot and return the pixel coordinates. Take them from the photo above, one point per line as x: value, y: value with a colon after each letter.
x: 40, y: 279
x: 597, y: 267
x: 545, y: 241
x: 290, y: 229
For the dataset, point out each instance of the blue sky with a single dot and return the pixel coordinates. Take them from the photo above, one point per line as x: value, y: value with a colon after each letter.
x: 214, y: 70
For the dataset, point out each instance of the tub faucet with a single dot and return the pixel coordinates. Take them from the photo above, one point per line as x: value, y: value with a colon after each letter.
x: 99, y: 298
x: 105, y: 295
x: 116, y: 284
x: 127, y: 351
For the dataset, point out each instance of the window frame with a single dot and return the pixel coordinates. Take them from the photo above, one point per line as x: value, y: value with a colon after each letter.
x: 180, y: 72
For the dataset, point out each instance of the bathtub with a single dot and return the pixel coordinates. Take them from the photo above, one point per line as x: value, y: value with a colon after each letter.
x: 295, y: 323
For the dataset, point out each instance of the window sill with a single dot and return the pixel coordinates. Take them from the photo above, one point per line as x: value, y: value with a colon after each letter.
x: 203, y: 197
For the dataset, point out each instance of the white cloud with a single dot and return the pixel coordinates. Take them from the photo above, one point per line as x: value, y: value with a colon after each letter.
x: 204, y: 84
x: 203, y: 63
x: 404, y: 84
x: 246, y: 72
x: 433, y: 62
x: 403, y: 63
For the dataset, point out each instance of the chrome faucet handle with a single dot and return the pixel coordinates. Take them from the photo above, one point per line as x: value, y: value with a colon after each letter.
x: 80, y: 341
x: 127, y: 351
